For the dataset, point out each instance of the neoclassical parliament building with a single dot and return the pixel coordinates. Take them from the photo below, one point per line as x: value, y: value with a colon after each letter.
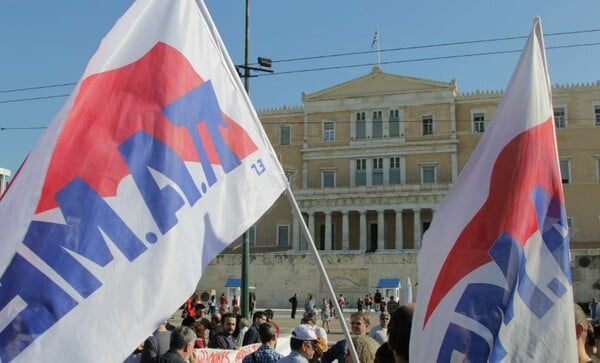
x: 370, y: 160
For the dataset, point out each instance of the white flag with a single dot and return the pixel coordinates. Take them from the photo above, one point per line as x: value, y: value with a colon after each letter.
x: 154, y: 165
x: 494, y: 271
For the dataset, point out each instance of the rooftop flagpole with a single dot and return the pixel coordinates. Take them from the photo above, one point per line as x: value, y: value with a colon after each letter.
x: 376, y: 41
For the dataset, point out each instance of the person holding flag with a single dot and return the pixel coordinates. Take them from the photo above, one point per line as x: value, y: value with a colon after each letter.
x: 494, y: 271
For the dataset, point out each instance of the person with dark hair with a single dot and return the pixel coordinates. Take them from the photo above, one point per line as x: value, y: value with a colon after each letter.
x: 199, y: 329
x: 251, y: 335
x: 384, y: 354
x: 399, y: 332
x: 181, y: 347
x: 294, y: 301
x: 270, y: 315
x: 224, y: 339
x: 303, y: 344
x: 266, y: 353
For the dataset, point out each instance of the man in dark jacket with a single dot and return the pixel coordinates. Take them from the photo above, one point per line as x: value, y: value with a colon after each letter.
x: 181, y: 347
x: 252, y: 335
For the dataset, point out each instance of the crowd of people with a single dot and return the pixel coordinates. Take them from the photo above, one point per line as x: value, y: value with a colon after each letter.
x: 221, y: 326
x: 385, y: 342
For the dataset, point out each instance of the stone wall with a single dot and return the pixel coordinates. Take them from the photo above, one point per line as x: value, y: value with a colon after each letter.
x: 277, y: 276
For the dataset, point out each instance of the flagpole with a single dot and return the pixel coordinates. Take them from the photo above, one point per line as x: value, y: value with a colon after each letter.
x: 378, y: 47
x: 313, y: 248
x: 245, y: 298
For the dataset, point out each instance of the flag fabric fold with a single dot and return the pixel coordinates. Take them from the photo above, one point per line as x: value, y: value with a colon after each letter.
x: 154, y: 165
x: 407, y: 295
x: 494, y: 272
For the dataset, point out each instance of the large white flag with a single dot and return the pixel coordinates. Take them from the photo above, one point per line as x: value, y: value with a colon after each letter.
x: 154, y: 165
x: 494, y: 273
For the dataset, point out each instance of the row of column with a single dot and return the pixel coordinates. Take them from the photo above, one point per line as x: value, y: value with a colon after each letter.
x: 417, y: 228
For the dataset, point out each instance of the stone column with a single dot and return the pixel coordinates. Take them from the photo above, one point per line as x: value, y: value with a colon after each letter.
x: 399, y: 230
x: 417, y: 221
x: 328, y: 241
x: 345, y: 231
x: 454, y: 166
x: 311, y: 225
x: 380, y: 230
x: 363, y: 231
x: 295, y: 234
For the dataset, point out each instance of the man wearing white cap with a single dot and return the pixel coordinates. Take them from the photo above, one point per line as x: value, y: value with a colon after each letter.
x: 302, y: 343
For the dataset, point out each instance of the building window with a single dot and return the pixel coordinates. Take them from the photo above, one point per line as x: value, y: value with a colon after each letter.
x: 252, y: 235
x: 285, y: 134
x: 377, y: 125
x: 394, y: 123
x: 395, y: 170
x: 597, y: 115
x: 377, y: 174
x: 328, y: 179
x: 361, y: 172
x: 565, y: 171
x: 560, y: 118
x: 478, y: 122
x: 283, y: 235
x: 428, y: 174
x: 570, y: 229
x: 427, y: 121
x: 328, y: 131
x: 361, y: 125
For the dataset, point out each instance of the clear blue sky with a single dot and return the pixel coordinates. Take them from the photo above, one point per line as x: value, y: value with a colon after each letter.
x: 50, y: 42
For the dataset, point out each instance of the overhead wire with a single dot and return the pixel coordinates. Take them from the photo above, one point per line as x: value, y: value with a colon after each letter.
x: 335, y: 55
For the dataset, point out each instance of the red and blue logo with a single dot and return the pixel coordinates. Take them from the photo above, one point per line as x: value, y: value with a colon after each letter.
x: 155, y: 113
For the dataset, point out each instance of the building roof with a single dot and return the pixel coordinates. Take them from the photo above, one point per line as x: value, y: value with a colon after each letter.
x: 233, y: 282
x: 389, y: 283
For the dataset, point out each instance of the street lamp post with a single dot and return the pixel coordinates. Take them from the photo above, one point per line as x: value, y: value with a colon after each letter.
x: 264, y: 62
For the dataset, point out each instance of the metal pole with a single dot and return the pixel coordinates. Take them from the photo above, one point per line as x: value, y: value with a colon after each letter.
x: 245, y: 298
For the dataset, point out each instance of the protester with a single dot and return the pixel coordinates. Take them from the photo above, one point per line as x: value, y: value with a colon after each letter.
x: 181, y: 347
x: 251, y: 335
x: 581, y: 328
x: 384, y: 354
x: 379, y: 332
x: 359, y: 325
x: 243, y: 326
x: 365, y: 349
x: 399, y: 332
x: 199, y: 329
x: 266, y: 353
x: 310, y: 303
x: 270, y: 315
x: 377, y: 299
x: 326, y: 314
x: 391, y: 305
x: 224, y: 339
x: 368, y: 302
x: 359, y: 304
x: 212, y: 305
x: 303, y: 345
x: 310, y: 318
x: 294, y: 301
x: 156, y: 344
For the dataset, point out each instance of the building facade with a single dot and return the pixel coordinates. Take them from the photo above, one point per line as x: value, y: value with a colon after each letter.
x: 4, y: 179
x: 369, y: 161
